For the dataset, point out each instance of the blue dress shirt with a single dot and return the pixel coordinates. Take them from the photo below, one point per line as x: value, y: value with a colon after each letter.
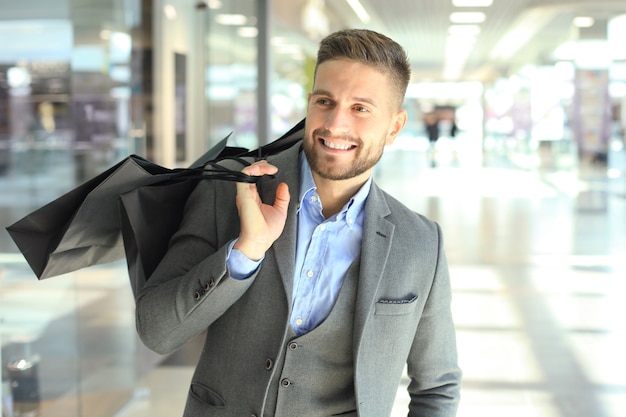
x: 325, y: 249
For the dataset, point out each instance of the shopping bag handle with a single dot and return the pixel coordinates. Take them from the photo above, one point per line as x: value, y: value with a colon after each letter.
x: 214, y: 170
x: 211, y: 169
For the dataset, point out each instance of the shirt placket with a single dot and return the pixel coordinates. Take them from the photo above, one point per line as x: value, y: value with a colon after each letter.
x: 304, y: 300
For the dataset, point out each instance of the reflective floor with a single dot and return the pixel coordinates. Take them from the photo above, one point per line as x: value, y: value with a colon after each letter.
x: 538, y: 266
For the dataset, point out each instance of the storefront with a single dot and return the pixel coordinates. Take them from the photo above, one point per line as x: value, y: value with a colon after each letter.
x: 84, y: 83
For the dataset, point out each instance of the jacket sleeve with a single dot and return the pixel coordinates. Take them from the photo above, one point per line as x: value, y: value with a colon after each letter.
x: 192, y: 287
x: 432, y: 365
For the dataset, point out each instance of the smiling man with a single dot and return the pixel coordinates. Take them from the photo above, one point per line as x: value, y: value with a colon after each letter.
x: 313, y: 305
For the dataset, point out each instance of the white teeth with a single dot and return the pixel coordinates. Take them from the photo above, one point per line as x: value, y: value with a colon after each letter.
x: 342, y: 147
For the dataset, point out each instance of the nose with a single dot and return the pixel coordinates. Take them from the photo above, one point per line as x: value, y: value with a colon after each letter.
x: 338, y: 121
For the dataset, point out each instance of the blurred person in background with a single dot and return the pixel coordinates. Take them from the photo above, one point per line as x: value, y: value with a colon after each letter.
x: 431, y: 125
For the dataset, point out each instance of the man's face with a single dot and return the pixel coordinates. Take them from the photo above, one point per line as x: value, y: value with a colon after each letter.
x: 351, y: 117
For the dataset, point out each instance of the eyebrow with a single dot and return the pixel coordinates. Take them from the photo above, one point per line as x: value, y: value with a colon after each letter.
x: 322, y: 92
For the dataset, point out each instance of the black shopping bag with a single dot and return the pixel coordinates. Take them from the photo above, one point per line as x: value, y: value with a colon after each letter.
x: 82, y: 227
x: 152, y: 213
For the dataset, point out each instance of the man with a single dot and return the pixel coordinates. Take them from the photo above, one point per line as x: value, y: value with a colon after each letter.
x: 313, y: 304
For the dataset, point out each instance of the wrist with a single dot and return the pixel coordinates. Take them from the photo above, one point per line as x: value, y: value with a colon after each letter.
x: 252, y: 250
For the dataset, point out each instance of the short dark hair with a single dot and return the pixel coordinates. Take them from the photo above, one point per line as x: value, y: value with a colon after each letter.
x: 370, y: 48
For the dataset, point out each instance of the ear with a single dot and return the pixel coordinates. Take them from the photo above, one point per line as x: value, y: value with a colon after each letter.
x: 397, y: 124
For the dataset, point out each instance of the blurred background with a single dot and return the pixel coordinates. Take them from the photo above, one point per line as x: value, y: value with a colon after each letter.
x: 515, y: 145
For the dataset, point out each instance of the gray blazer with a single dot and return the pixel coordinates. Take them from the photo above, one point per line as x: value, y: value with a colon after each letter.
x: 402, y: 311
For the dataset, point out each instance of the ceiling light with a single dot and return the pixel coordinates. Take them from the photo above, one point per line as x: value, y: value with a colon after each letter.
x: 467, y: 30
x: 467, y: 17
x: 170, y: 11
x: 472, y: 3
x: 458, y: 50
x: 460, y: 45
x: 359, y: 10
x: 248, y: 32
x: 315, y: 21
x: 525, y: 26
x: 231, y: 19
x: 584, y: 21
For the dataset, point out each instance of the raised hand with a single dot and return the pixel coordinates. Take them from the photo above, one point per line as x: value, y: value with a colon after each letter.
x: 261, y: 224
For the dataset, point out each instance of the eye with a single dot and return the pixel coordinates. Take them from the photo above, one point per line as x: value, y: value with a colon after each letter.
x: 361, y: 109
x: 323, y: 102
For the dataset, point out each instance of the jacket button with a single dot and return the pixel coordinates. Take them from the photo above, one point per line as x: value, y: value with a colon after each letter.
x: 196, y: 295
x: 209, y: 285
x: 293, y: 346
x: 285, y: 382
x: 269, y: 364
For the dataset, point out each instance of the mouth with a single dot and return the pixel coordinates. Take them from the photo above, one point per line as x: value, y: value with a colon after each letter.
x: 337, y: 146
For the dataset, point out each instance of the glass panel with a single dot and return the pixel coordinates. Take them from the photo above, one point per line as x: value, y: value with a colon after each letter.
x: 231, y: 72
x: 69, y: 346
x: 35, y: 138
x: 293, y: 79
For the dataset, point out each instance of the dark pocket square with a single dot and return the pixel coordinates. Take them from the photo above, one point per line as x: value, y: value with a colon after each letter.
x: 396, y: 307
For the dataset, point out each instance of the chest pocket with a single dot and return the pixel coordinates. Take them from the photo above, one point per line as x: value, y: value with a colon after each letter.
x: 398, y: 307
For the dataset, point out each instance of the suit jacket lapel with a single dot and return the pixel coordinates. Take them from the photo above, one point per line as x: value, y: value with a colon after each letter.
x: 284, y: 249
x: 377, y: 237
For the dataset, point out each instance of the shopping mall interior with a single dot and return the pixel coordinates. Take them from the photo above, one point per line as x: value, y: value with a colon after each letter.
x: 515, y: 144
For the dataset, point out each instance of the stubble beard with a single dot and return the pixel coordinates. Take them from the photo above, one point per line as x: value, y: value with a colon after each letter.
x: 328, y: 168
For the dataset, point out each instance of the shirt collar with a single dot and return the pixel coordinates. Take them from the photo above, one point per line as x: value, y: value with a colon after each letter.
x: 352, y: 209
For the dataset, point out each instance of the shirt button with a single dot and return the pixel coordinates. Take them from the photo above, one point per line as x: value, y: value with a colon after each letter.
x: 314, y: 198
x: 309, y: 274
x: 323, y: 227
x: 298, y: 322
x: 285, y: 382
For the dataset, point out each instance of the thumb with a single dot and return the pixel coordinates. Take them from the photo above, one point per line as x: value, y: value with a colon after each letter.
x: 281, y: 202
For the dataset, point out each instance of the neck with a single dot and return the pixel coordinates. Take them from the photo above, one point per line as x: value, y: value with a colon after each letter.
x: 336, y: 194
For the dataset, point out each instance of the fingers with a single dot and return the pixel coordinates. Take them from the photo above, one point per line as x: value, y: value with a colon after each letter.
x: 256, y: 169
x: 260, y: 168
x: 261, y: 224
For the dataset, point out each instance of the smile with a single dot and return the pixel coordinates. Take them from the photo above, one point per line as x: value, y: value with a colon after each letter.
x: 338, y: 146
